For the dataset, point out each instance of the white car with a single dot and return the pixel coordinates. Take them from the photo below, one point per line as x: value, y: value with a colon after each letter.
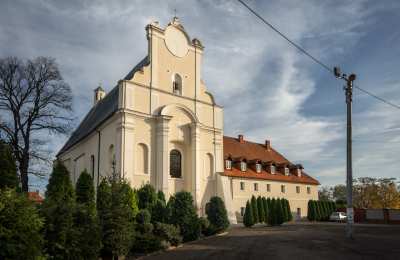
x: 338, y: 216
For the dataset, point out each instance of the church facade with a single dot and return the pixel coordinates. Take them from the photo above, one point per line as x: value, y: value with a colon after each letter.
x: 160, y: 125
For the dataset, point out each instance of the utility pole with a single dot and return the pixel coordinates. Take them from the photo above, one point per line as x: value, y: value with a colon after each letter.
x: 349, y: 160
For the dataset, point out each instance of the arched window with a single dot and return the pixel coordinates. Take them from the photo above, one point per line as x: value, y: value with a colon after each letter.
x: 209, y: 165
x: 175, y: 164
x: 142, y: 158
x: 177, y: 85
x: 111, y: 158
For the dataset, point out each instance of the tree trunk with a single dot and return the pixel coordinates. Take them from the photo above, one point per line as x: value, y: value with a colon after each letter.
x: 23, y: 171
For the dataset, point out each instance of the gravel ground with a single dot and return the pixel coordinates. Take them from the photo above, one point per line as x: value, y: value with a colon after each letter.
x: 293, y: 241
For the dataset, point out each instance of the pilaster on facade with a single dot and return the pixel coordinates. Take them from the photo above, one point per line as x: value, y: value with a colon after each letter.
x: 196, y: 170
x: 162, y: 132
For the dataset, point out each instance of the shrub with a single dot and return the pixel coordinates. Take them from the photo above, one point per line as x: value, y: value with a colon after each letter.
x: 260, y: 208
x: 8, y: 169
x: 146, y: 243
x: 147, y: 197
x: 253, y: 204
x: 20, y: 227
x: 248, y: 220
x: 183, y: 214
x: 58, y: 209
x: 217, y: 215
x: 86, y: 222
x: 161, y: 196
x: 205, y: 226
x: 159, y: 212
x: 168, y: 232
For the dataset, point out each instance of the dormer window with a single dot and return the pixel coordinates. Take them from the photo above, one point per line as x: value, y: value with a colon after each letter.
x: 287, y: 171
x: 228, y: 164
x: 243, y: 166
x: 298, y: 172
x: 177, y: 85
x: 272, y: 169
x: 258, y: 167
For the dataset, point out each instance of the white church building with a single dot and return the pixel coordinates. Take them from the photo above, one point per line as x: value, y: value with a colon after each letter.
x: 160, y: 125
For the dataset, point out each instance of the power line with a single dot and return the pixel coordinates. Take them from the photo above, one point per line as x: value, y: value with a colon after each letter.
x: 326, y: 67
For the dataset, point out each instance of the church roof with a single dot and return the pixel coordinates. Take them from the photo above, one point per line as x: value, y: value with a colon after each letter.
x: 99, y: 113
x: 236, y: 150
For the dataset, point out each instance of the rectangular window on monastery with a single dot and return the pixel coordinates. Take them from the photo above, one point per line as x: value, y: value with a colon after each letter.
x: 268, y: 187
x: 242, y: 209
x: 241, y: 185
x: 255, y: 186
x: 308, y: 190
x: 297, y: 189
x: 283, y: 189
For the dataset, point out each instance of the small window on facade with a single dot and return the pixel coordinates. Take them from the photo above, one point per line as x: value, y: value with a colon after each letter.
x: 243, y: 166
x: 241, y: 185
x: 273, y: 169
x: 283, y: 188
x: 92, y: 165
x: 242, y: 209
x: 175, y: 164
x: 258, y: 167
x: 308, y: 190
x: 287, y: 172
x: 228, y: 164
x: 255, y: 186
x: 177, y: 85
x: 297, y: 189
x: 268, y: 187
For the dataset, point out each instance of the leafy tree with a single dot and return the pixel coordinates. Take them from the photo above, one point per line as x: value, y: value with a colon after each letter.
x: 325, y: 193
x: 248, y: 216
x: 147, y: 197
x: 86, y: 220
x: 58, y: 209
x: 260, y: 208
x: 266, y: 210
x: 217, y: 215
x: 253, y: 204
x: 34, y: 100
x: 183, y: 215
x: 8, y: 169
x: 20, y: 227
x: 339, y: 192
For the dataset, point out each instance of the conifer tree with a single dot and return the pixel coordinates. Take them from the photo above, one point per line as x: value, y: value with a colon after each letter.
x: 273, y: 213
x: 8, y: 169
x: 86, y: 219
x: 253, y: 204
x: 270, y: 209
x: 279, y: 212
x: 217, y: 215
x: 310, y: 211
x: 260, y: 208
x: 58, y: 210
x: 266, y: 210
x: 248, y: 215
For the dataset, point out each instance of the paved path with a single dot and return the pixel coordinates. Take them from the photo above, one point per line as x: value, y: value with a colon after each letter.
x: 295, y: 241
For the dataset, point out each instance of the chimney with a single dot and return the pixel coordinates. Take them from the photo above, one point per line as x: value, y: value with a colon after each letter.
x: 99, y: 94
x: 268, y: 144
x: 241, y: 140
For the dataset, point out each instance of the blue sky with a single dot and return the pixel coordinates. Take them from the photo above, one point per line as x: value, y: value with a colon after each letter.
x: 268, y: 89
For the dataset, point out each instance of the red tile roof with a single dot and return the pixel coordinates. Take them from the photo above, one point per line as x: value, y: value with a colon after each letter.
x: 35, y: 197
x: 256, y: 151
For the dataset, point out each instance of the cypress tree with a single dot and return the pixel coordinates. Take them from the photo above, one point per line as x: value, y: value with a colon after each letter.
x: 248, y: 215
x: 279, y: 212
x: 310, y: 211
x: 261, y: 212
x: 266, y: 210
x: 8, y: 169
x: 217, y: 215
x: 273, y: 213
x: 147, y: 197
x: 58, y: 209
x: 270, y: 209
x: 86, y: 219
x: 288, y: 211
x: 253, y: 204
x: 103, y: 204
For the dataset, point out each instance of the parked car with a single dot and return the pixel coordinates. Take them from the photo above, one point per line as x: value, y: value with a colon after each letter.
x: 338, y: 216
